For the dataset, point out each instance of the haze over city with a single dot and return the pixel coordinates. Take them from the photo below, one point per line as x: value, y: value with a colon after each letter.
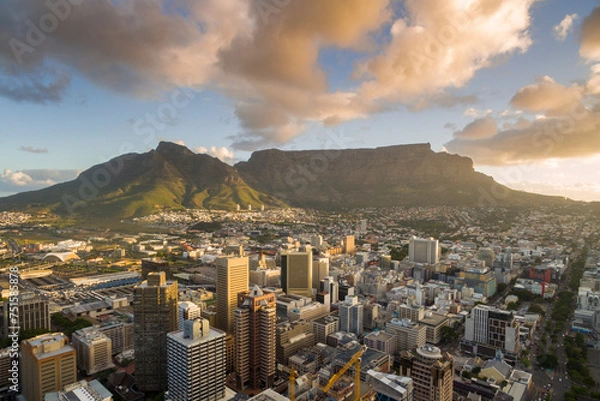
x: 514, y: 85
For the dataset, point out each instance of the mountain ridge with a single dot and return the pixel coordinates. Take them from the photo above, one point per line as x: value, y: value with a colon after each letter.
x: 173, y: 177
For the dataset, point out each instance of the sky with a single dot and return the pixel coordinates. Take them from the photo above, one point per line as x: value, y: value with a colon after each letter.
x: 512, y: 84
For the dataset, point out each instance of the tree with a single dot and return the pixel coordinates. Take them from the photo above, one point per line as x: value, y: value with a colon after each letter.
x: 501, y: 287
x: 548, y: 361
x: 535, y: 308
x: 448, y: 333
x: 512, y: 306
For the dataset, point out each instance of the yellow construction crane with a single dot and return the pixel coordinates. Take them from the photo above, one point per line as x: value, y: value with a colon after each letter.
x: 292, y: 389
x: 355, y: 360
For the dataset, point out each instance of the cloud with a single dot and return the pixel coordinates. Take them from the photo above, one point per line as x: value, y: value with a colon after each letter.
x: 577, y: 190
x: 35, y: 89
x: 590, y: 36
x: 440, y: 44
x: 574, y: 135
x: 264, y: 55
x: 474, y: 113
x: 26, y: 180
x: 548, y: 96
x: 561, y: 30
x: 31, y: 149
x: 482, y: 128
x: 221, y: 153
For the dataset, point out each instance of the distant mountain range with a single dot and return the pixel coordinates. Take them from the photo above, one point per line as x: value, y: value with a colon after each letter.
x: 174, y: 177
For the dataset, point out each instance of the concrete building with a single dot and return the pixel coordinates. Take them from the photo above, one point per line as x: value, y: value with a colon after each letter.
x: 232, y: 279
x: 94, y: 350
x: 5, y: 365
x: 296, y: 273
x: 187, y: 311
x: 320, y: 271
x: 409, y: 335
x: 325, y: 326
x: 390, y: 387
x: 423, y: 250
x: 155, y: 314
x: 81, y: 391
x: 381, y: 341
x: 498, y: 329
x: 434, y: 323
x: 32, y: 311
x: 196, y: 362
x: 431, y: 371
x: 349, y: 244
x: 291, y: 338
x: 330, y: 286
x: 48, y: 363
x: 120, y: 334
x: 351, y: 315
x: 481, y: 279
x: 255, y: 340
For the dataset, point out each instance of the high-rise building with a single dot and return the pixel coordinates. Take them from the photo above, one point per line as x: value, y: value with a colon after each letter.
x: 196, y: 362
x: 431, y: 371
x: 423, y: 250
x: 48, y: 363
x: 351, y: 315
x: 255, y: 344
x: 349, y: 244
x: 496, y: 328
x: 94, y: 350
x: 33, y: 314
x: 330, y: 286
x: 155, y: 314
x: 187, y: 311
x: 320, y: 271
x: 296, y: 273
x: 232, y: 279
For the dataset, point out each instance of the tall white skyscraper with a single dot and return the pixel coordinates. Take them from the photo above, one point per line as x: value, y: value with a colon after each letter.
x: 196, y: 362
x: 351, y: 315
x: 423, y: 250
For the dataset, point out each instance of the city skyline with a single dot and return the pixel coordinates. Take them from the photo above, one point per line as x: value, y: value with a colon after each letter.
x: 519, y: 97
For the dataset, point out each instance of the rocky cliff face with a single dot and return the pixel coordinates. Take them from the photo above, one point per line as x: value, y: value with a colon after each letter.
x: 394, y: 175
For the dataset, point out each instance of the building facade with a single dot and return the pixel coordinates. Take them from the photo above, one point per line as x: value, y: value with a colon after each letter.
x: 351, y: 315
x: 255, y: 344
x: 94, y: 350
x: 48, y: 363
x: 155, y: 314
x: 296, y: 273
x: 431, y: 371
x: 232, y: 279
x: 196, y: 362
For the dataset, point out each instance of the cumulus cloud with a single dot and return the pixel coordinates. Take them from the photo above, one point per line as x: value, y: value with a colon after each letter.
x: 482, y: 128
x: 440, y: 44
x: 12, y: 181
x: 264, y: 54
x: 32, y: 149
x: 561, y: 30
x: 590, y: 36
x: 548, y: 96
x: 221, y: 153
